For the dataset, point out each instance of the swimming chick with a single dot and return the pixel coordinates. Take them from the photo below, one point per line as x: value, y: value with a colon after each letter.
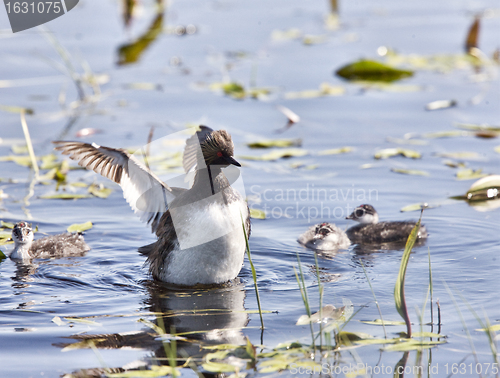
x: 199, y: 230
x: 371, y: 231
x: 324, y: 237
x: 25, y: 248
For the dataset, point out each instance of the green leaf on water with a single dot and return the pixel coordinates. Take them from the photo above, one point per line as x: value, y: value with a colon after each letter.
x: 414, y: 172
x: 417, y: 207
x: 445, y: 134
x: 65, y: 196
x: 386, y: 322
x: 310, y: 39
x: 234, y: 90
x: 99, y: 190
x: 276, y: 143
x: 5, y: 238
x: 53, y: 174
x: 492, y: 328
x: 278, y: 154
x: 336, y: 151
x: 16, y: 109
x: 257, y: 213
x: 80, y: 227
x: 474, y: 127
x: 23, y: 160
x: 19, y: 150
x: 369, y: 70
x: 459, y: 155
x: 377, y: 341
x: 82, y: 321
x: 412, y: 344
x: 7, y: 225
x: 470, y: 174
x: 428, y: 334
x: 2, y: 255
x: 391, y: 152
x: 325, y: 89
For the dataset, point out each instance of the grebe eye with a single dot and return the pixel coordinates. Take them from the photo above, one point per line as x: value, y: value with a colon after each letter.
x: 360, y: 212
x: 219, y: 154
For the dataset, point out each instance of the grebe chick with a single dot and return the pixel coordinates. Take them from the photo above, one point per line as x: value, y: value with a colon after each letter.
x: 51, y: 246
x: 324, y: 237
x: 371, y: 231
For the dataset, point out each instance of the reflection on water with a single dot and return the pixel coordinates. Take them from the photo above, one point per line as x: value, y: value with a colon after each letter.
x: 200, y: 318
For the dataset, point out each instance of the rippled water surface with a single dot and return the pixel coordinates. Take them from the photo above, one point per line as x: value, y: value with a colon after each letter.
x: 169, y: 87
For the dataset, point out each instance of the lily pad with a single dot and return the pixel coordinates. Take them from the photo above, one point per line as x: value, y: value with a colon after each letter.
x: 80, y: 227
x: 470, y: 174
x: 370, y: 70
x: 257, y: 214
x: 336, y: 151
x: 391, y: 152
x: 385, y: 322
x: 459, y: 155
x: 19, y: 149
x: 23, y: 160
x: 446, y: 134
x: 414, y: 172
x: 99, y: 191
x: 325, y: 89
x: 276, y: 143
x: 474, y: 127
x: 412, y: 344
x: 417, y: 207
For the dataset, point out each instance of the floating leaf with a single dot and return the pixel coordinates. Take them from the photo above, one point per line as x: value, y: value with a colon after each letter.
x: 82, y: 321
x: 275, y: 143
x: 280, y: 35
x: 354, y: 336
x: 336, y: 151
x: 385, y: 322
x: 412, y: 345
x: 5, y: 238
x: 390, y: 152
x: 369, y: 70
x: 7, y: 225
x: 16, y: 109
x: 474, y: 127
x: 234, y: 90
x: 325, y: 89
x: 459, y: 155
x: 470, y: 174
x: 144, y: 86
x: 257, y: 214
x: 414, y: 172
x: 99, y: 191
x: 310, y: 39
x: 80, y: 227
x: 446, y: 134
x: 417, y: 142
x: 440, y: 104
x: 18, y: 150
x: 23, y: 160
x: 53, y: 174
x: 492, y: 328
x: 453, y: 164
x: 428, y: 334
x: 418, y: 207
x: 65, y: 196
x: 278, y: 154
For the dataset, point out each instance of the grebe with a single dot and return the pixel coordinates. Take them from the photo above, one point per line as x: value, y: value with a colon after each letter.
x: 25, y: 248
x: 324, y: 237
x: 371, y: 231
x: 199, y: 230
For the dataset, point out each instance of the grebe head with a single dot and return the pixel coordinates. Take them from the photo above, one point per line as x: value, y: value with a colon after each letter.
x: 22, y: 233
x: 322, y: 230
x: 365, y: 214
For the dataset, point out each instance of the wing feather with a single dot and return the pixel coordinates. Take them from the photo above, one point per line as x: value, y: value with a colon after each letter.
x: 146, y: 194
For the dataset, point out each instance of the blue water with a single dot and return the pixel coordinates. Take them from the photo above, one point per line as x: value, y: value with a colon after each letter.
x: 110, y: 284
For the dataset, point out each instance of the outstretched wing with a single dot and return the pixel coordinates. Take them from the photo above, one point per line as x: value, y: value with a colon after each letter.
x: 144, y: 191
